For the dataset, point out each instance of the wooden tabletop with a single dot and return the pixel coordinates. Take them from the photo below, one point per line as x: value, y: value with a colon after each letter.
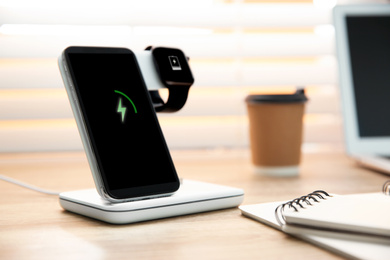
x: 34, y: 226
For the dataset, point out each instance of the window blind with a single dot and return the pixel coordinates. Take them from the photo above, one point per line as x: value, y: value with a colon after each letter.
x: 235, y: 48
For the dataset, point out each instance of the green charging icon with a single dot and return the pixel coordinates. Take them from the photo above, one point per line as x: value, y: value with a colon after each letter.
x: 121, y: 109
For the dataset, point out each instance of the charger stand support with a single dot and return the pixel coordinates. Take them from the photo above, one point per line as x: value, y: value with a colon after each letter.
x: 192, y: 196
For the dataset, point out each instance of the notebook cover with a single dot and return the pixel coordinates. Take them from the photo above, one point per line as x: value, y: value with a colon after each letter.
x: 366, y: 213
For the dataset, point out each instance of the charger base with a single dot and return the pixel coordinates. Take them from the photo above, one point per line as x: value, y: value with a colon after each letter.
x: 192, y: 197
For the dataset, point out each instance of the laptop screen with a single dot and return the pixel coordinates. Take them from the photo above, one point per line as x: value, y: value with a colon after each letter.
x: 369, y: 47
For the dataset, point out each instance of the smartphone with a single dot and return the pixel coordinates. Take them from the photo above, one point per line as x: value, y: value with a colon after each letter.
x: 122, y: 138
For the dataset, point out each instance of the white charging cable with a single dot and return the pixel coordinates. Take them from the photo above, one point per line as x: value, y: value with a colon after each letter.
x: 28, y: 186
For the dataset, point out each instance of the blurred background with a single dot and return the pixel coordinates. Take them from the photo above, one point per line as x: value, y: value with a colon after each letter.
x: 236, y: 48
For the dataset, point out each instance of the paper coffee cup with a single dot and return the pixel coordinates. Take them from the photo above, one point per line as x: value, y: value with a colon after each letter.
x: 276, y: 129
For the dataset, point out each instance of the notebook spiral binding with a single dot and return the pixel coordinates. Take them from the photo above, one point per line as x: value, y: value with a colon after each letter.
x: 386, y: 188
x: 297, y: 203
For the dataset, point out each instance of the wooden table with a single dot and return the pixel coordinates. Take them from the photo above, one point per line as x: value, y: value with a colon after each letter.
x: 34, y: 226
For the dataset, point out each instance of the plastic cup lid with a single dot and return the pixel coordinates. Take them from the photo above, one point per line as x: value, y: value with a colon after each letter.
x: 298, y: 97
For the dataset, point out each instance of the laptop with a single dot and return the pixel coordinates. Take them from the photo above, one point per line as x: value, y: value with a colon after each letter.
x: 363, y: 51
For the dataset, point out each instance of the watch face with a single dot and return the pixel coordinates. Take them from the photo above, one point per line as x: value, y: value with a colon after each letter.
x: 172, y: 67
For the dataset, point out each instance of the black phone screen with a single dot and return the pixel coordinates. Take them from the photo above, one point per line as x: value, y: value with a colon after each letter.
x: 124, y: 132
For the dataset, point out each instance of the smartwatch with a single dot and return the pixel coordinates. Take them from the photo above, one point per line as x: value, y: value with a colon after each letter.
x: 174, y: 72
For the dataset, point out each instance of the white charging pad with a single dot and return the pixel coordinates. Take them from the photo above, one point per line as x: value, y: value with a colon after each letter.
x: 192, y: 197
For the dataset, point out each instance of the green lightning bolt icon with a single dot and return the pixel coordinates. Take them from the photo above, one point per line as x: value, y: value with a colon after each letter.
x: 121, y: 110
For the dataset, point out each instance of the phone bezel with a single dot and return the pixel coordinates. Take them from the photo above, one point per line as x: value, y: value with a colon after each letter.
x: 133, y: 193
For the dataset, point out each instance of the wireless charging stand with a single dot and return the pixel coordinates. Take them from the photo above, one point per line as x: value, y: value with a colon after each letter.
x: 192, y: 197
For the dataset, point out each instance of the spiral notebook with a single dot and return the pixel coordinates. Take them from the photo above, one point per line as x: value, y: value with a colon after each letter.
x: 354, y: 226
x: 358, y: 213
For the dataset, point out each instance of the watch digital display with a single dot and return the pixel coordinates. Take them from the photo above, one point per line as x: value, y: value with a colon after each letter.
x: 172, y: 66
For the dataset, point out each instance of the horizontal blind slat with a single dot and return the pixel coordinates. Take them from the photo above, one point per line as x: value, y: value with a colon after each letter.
x: 25, y: 74
x: 196, y: 46
x: 53, y: 103
x: 215, y: 16
x: 206, y: 132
